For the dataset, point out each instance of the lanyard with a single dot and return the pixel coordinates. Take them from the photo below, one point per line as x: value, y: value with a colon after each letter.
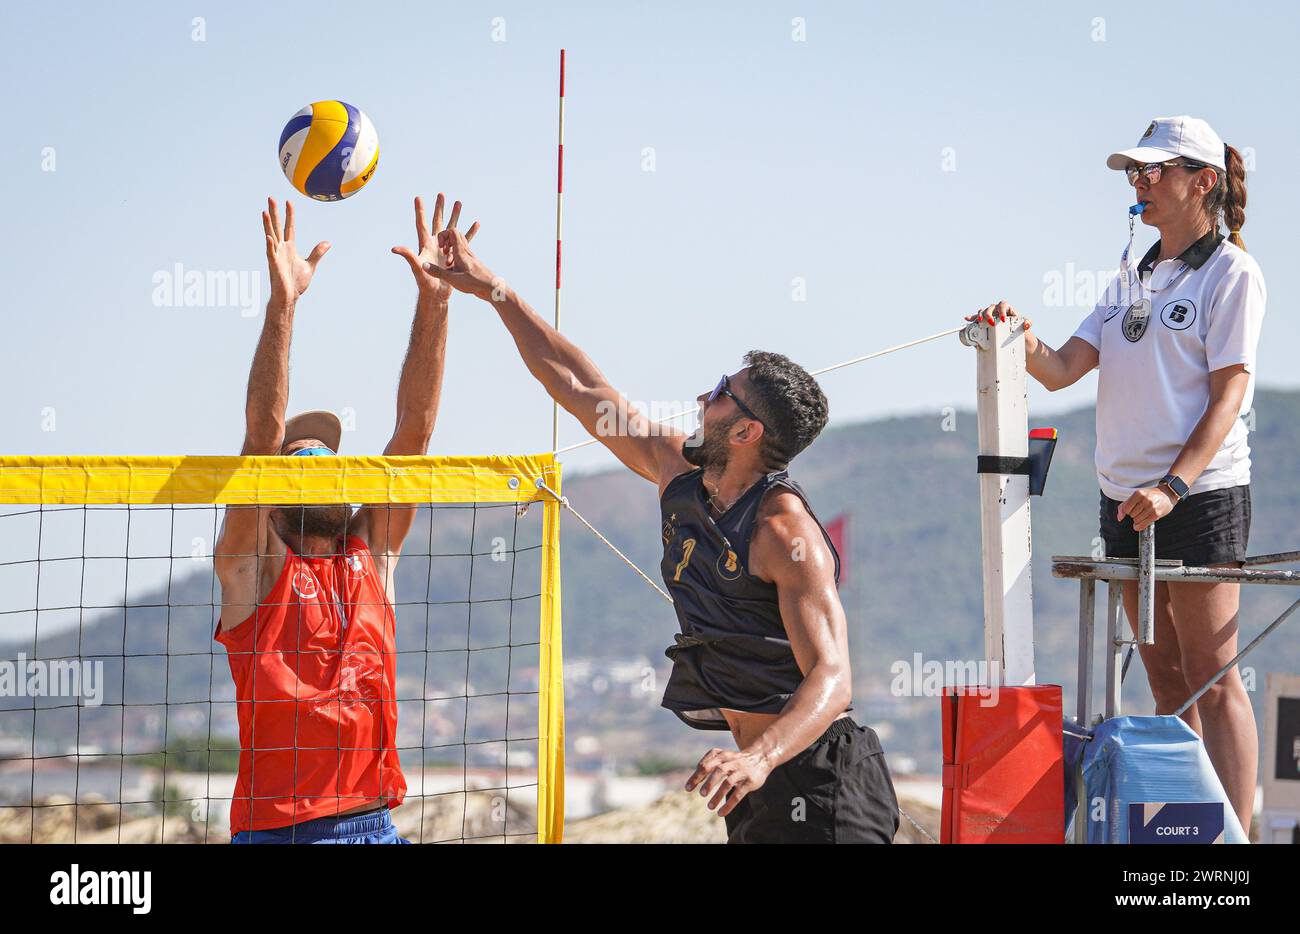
x: 1131, y: 275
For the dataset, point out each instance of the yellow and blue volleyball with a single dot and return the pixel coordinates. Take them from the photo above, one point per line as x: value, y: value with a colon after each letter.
x: 329, y: 150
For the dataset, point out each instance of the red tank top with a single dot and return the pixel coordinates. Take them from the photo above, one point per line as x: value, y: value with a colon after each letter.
x: 315, y: 688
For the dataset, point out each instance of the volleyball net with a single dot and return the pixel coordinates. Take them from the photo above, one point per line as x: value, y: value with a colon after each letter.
x: 119, y: 720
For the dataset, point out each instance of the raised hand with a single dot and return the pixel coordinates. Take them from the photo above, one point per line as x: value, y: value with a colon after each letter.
x: 427, y: 252
x: 290, y: 273
x: 459, y: 268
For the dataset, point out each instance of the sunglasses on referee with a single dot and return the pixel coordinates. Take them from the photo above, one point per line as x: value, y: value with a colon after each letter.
x: 1151, y: 170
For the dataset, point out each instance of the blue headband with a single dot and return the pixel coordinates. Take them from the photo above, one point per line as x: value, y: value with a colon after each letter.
x: 313, y: 452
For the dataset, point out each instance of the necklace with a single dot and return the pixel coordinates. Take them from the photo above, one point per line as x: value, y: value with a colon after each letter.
x: 716, y: 506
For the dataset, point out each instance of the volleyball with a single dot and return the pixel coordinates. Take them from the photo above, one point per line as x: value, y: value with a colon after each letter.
x: 329, y: 150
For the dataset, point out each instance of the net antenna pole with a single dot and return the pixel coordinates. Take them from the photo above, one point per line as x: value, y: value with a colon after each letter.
x: 1002, y: 393
x: 559, y: 236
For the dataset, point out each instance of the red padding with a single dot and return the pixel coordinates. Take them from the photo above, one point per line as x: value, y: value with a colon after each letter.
x: 1003, y: 771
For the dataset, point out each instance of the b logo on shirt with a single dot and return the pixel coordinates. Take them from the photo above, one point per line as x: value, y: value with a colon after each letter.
x: 1136, y: 319
x: 728, y: 565
x: 1178, y: 315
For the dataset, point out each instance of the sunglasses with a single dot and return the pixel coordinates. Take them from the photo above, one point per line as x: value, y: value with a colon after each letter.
x: 1151, y: 170
x: 724, y: 389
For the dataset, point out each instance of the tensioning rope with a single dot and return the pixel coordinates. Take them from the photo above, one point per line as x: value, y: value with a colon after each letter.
x: 825, y: 369
x: 564, y: 501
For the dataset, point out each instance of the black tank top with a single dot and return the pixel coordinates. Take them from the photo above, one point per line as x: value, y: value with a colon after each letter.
x: 733, y: 651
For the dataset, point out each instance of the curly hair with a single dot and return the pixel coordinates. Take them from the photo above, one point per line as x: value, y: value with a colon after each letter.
x: 792, y: 406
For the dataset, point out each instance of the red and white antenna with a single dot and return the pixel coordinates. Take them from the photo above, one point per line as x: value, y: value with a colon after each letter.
x: 559, y: 235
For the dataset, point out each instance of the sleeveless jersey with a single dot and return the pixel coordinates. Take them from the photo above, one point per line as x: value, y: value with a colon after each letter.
x: 732, y: 651
x: 314, y: 671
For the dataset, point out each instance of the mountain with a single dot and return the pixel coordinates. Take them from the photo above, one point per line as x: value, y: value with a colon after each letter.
x: 909, y: 490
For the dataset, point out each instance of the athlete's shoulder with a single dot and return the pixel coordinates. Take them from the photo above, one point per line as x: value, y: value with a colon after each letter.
x: 782, y: 518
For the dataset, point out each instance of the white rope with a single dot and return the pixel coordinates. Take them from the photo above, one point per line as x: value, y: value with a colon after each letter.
x: 925, y: 833
x: 825, y: 369
x: 564, y: 501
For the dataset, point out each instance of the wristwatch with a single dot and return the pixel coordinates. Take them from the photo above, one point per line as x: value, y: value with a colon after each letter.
x: 1175, y: 485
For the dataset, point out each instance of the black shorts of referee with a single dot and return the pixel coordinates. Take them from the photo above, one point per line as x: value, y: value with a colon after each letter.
x: 838, y: 790
x: 1205, y: 528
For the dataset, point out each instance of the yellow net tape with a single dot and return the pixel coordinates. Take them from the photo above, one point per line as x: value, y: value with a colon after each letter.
x: 276, y: 481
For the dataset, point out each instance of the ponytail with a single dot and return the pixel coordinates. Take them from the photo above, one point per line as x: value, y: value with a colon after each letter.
x: 1228, y: 197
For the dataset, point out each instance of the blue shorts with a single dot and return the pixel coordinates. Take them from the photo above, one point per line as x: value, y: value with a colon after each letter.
x: 367, y: 827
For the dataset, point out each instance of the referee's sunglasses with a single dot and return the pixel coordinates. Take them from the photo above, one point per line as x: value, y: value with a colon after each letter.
x: 724, y: 389
x: 1151, y: 170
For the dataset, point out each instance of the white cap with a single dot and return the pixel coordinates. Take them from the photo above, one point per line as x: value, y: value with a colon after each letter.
x: 1171, y: 137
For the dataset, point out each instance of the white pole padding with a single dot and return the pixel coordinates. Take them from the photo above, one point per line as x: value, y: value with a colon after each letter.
x: 1003, y: 413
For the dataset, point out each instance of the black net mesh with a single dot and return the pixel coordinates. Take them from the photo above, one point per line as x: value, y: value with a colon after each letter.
x: 118, y: 711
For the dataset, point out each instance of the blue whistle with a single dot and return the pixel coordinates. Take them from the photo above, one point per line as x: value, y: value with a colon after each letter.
x: 1138, y: 208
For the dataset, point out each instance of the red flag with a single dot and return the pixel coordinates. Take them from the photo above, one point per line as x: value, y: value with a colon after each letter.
x: 838, y: 530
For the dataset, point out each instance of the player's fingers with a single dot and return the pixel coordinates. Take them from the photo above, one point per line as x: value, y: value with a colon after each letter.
x: 455, y: 216
x: 710, y: 782
x: 733, y: 800
x: 406, y: 254
x: 437, y: 272
x: 275, y: 218
x: 321, y: 249
x: 723, y: 790
x: 438, y: 204
x: 696, y: 776
x: 288, y: 220
x: 701, y: 773
x: 266, y: 226
x: 451, y: 242
x: 421, y: 228
x: 469, y: 234
x: 270, y: 245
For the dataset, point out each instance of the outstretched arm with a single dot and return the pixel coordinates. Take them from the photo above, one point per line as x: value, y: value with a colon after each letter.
x: 568, y: 375
x: 245, y: 535
x: 419, y: 388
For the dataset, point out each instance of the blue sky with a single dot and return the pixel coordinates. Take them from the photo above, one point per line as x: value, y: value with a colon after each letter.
x: 827, y: 160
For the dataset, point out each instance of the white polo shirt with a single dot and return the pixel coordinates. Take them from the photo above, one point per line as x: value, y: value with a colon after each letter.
x: 1202, y: 312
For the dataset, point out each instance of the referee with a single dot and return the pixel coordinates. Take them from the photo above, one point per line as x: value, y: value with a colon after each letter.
x: 1174, y: 341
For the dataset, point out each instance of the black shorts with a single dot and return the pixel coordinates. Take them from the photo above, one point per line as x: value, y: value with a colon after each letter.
x: 1206, y: 528
x: 838, y: 790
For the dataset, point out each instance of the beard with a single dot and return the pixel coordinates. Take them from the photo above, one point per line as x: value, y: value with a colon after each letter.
x: 313, y: 521
x: 709, y: 448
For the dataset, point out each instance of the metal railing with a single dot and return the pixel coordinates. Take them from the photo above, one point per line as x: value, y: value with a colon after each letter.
x: 1147, y: 571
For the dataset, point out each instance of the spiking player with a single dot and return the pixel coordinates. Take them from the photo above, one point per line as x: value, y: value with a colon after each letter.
x: 763, y: 650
